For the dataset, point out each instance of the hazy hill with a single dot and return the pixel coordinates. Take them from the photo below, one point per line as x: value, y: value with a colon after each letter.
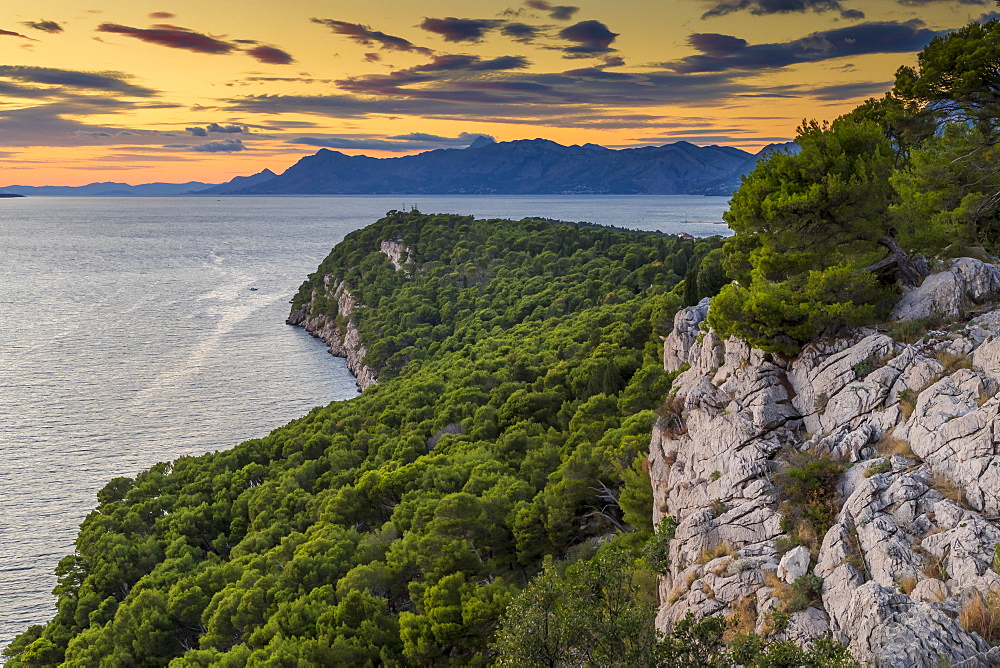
x: 239, y: 183
x: 110, y: 189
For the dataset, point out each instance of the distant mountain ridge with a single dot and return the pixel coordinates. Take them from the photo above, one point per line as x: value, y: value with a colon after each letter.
x: 522, y: 167
x: 110, y: 189
x: 485, y: 167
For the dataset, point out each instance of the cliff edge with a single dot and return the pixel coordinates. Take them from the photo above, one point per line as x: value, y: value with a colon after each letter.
x: 336, y: 327
x: 852, y: 490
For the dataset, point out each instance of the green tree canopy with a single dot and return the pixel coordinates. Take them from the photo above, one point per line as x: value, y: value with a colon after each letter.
x: 957, y: 77
x: 807, y: 224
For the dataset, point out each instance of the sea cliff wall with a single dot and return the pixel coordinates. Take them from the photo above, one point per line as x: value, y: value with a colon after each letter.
x: 339, y: 333
x: 915, y: 429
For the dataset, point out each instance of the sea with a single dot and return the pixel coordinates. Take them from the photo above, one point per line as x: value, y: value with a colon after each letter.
x: 137, y: 330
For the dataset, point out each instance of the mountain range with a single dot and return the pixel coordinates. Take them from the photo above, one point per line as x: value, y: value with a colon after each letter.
x: 521, y: 167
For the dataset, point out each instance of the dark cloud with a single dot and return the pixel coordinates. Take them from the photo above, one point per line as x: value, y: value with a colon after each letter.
x: 373, y: 57
x: 199, y: 131
x: 450, y: 66
x: 591, y: 37
x: 928, y: 2
x: 10, y: 33
x: 452, y: 62
x: 840, y: 92
x: 558, y: 12
x: 220, y: 146
x: 599, y: 71
x: 416, y: 141
x: 716, y: 45
x: 852, y: 14
x: 521, y: 32
x: 460, y: 30
x: 113, y: 82
x: 302, y: 79
x: 172, y: 36
x: 363, y: 34
x: 507, y: 96
x: 860, y: 39
x: 161, y: 15
x: 772, y: 6
x: 270, y: 55
x: 44, y: 26
x: 56, y: 124
x: 227, y: 129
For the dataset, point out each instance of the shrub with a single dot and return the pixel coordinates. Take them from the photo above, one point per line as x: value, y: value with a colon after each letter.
x: 862, y: 369
x: 883, y: 466
x: 810, y: 490
x: 657, y: 551
x: 911, y: 331
x: 952, y: 362
x: 890, y: 445
x: 907, y: 402
x: 981, y: 614
x: 806, y: 590
x: 718, y: 507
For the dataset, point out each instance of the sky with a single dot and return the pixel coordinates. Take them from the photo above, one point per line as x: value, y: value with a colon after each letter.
x: 205, y: 90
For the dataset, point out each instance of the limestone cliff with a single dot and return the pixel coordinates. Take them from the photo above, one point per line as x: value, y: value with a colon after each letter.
x: 338, y: 330
x: 916, y: 427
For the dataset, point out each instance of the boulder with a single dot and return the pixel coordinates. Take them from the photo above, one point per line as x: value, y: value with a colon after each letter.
x: 966, y: 282
x: 794, y: 564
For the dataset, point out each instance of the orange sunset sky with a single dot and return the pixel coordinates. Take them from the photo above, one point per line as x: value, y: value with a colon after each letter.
x: 206, y: 90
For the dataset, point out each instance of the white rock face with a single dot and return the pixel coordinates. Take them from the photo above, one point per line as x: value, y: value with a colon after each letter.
x: 343, y: 342
x: 966, y: 282
x: 397, y: 253
x: 794, y: 564
x: 917, y: 527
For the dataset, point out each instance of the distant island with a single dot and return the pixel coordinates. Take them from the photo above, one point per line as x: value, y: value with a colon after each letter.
x: 9, y: 195
x: 485, y: 167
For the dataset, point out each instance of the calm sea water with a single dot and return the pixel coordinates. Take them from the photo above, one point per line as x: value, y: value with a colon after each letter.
x: 129, y: 335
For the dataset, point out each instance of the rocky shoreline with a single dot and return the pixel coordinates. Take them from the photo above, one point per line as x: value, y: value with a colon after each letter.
x: 340, y: 333
x: 342, y: 341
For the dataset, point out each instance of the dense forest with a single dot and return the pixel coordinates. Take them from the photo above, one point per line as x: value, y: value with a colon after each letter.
x: 520, y: 368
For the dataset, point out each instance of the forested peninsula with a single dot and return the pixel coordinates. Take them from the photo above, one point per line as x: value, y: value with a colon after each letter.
x: 587, y: 446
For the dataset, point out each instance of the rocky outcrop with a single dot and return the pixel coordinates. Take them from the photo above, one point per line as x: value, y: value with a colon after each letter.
x: 912, y: 541
x: 397, y: 253
x: 967, y: 282
x: 338, y: 331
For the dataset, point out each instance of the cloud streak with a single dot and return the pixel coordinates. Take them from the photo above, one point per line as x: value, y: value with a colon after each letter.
x: 721, y: 53
x: 365, y: 36
x: 110, y: 82
x: 44, y: 26
x: 11, y: 33
x: 557, y: 12
x: 763, y: 7
x: 177, y: 37
x: 270, y: 55
x: 416, y: 141
x: 174, y: 37
x: 221, y: 146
